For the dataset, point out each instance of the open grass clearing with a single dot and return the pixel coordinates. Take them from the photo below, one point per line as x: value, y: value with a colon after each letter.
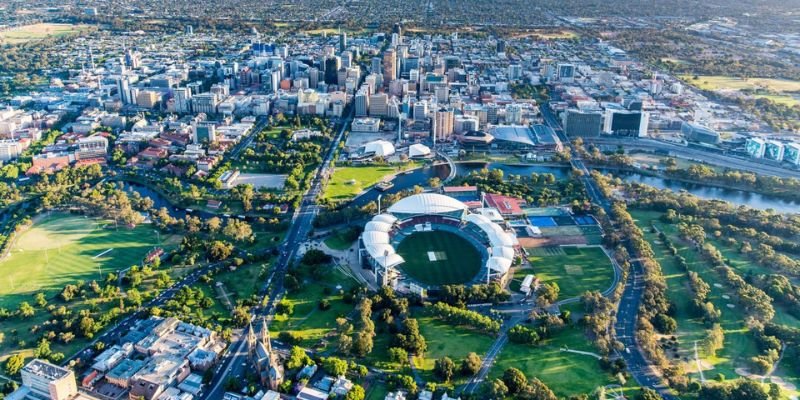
x: 337, y: 241
x: 347, y: 182
x: 718, y: 82
x: 546, y: 34
x: 779, y: 89
x: 445, y: 340
x: 61, y: 249
x: 34, y: 32
x: 308, y: 321
x: 585, y: 269
x: 565, y: 373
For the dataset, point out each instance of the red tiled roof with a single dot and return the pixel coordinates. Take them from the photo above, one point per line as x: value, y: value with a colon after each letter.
x: 505, y: 204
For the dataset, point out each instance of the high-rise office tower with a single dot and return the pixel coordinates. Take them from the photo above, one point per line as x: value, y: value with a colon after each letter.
x: 332, y: 65
x: 347, y: 59
x: 183, y: 98
x: 389, y: 66
x: 124, y: 90
x: 342, y: 41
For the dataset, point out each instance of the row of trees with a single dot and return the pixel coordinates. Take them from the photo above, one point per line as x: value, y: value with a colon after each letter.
x: 654, y: 307
x: 464, y: 317
x: 460, y: 295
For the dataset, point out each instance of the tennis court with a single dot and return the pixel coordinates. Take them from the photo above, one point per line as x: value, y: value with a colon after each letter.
x: 585, y: 220
x: 542, y: 221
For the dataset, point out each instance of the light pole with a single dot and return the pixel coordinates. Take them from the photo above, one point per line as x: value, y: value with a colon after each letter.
x: 379, y: 203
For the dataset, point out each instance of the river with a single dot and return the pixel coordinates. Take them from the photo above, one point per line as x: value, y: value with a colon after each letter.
x: 420, y: 177
x: 738, y: 197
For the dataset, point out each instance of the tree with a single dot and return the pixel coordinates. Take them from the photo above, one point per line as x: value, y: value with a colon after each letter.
x: 334, y: 366
x: 284, y: 307
x: 237, y: 230
x: 537, y: 390
x: 471, y: 364
x: 40, y: 300
x: 515, y: 380
x: 14, y: 364
x: 356, y: 393
x: 398, y: 355
x: 547, y: 294
x: 42, y: 349
x: 444, y: 368
x: 715, y: 339
x: 297, y: 358
x: 220, y: 250
x: 494, y: 390
x: 214, y: 224
x: 362, y: 344
x: 649, y: 394
x: 665, y: 324
x: 241, y: 315
x: 26, y: 310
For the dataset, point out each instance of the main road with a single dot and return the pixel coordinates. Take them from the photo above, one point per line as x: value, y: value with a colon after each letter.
x: 628, y: 309
x: 234, y: 363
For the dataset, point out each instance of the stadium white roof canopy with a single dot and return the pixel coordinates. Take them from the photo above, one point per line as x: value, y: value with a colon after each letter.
x: 418, y: 150
x: 380, y: 148
x: 427, y: 203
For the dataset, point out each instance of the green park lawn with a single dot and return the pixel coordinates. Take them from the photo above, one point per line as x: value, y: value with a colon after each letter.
x: 308, y: 321
x: 457, y: 260
x: 565, y: 373
x: 236, y: 285
x: 575, y: 269
x: 337, y: 241
x: 60, y: 249
x: 780, y: 89
x: 739, y: 343
x: 39, y: 31
x: 446, y: 340
x: 347, y: 182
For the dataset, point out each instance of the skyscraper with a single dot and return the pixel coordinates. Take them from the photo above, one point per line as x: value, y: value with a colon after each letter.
x: 443, y: 121
x: 183, y: 96
x: 376, y: 65
x: 342, y: 41
x: 332, y: 65
x: 389, y: 66
x: 124, y: 90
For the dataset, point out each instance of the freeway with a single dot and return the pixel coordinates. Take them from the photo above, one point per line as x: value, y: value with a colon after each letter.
x: 721, y: 160
x: 234, y: 363
x: 628, y: 309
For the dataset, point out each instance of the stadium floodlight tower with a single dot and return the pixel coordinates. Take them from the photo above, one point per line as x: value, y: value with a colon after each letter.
x: 400, y: 128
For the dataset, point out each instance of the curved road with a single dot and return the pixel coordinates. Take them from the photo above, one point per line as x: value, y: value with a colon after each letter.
x: 628, y: 309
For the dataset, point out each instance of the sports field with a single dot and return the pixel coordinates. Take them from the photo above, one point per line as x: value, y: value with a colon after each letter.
x: 347, y: 182
x: 574, y: 269
x: 34, y: 32
x: 782, y: 90
x: 62, y: 249
x: 439, y: 258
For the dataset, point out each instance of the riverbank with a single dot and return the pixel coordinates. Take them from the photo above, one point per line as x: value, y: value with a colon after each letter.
x: 786, y: 203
